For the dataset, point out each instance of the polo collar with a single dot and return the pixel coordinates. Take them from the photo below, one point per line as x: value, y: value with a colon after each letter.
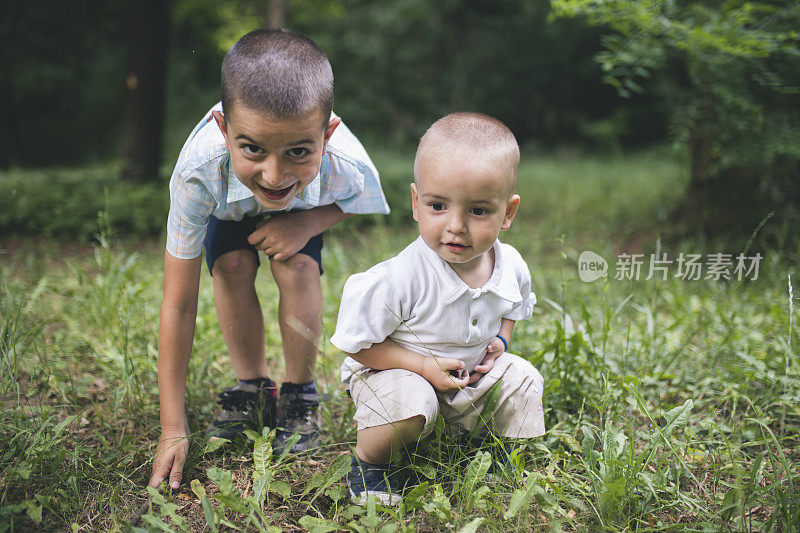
x: 503, y: 281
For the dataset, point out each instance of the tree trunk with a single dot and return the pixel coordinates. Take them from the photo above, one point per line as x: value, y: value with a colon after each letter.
x: 277, y: 14
x: 9, y: 135
x: 142, y: 126
x: 701, y: 142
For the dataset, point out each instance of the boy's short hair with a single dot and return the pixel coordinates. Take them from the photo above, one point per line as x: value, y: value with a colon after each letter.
x: 472, y: 136
x: 278, y: 72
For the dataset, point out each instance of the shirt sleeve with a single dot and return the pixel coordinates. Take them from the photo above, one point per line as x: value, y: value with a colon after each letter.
x: 190, y: 208
x: 352, y: 177
x: 369, y: 198
x: 369, y: 312
x: 524, y: 309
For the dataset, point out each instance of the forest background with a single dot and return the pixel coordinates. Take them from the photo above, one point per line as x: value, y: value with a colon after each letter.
x: 97, y: 82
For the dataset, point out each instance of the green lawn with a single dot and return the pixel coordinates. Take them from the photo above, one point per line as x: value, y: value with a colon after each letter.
x: 670, y: 404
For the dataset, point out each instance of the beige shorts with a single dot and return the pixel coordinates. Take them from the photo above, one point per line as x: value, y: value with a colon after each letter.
x: 387, y: 396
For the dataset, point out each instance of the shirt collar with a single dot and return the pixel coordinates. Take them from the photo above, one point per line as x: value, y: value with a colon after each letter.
x: 503, y: 281
x: 236, y: 189
x: 312, y: 192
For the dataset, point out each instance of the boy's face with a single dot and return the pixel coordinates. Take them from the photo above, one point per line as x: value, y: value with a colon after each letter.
x: 276, y: 158
x: 461, y: 207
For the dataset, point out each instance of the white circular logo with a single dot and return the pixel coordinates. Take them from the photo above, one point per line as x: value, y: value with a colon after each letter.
x: 591, y: 266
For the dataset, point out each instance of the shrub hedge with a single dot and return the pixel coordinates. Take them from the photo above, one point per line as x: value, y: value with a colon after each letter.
x: 65, y: 203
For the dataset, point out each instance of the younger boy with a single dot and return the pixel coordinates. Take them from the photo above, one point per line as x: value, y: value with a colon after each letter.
x: 268, y: 148
x: 427, y: 331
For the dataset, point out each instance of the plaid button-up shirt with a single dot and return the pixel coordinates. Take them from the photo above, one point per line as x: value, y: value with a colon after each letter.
x: 203, y: 184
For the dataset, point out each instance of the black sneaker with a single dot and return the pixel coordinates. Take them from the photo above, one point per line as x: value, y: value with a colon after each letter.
x: 246, y: 405
x: 299, y: 415
x: 379, y: 480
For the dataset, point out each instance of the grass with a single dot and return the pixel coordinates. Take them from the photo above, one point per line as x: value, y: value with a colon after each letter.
x: 670, y: 405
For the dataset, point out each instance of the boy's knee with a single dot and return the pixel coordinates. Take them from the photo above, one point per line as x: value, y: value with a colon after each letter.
x: 298, y: 269
x: 410, y: 426
x: 524, y: 370
x: 393, y: 396
x: 531, y: 388
x: 235, y: 264
x: 536, y: 379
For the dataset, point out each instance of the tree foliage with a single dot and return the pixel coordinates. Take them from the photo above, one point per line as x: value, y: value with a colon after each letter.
x: 730, y: 72
x: 399, y: 65
x: 62, y: 79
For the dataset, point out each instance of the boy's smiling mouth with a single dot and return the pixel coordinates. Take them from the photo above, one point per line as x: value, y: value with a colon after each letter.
x: 276, y: 194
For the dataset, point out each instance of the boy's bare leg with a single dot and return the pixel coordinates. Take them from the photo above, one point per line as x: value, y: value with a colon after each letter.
x: 240, y: 313
x: 299, y: 314
x: 377, y: 445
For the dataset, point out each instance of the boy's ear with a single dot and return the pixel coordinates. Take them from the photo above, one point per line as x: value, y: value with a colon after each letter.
x: 511, y: 212
x: 414, y: 208
x: 332, y: 125
x: 220, y: 119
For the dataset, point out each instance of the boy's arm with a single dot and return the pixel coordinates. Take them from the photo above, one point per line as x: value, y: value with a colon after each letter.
x: 506, y: 328
x: 175, y: 336
x: 436, y: 370
x: 283, y: 236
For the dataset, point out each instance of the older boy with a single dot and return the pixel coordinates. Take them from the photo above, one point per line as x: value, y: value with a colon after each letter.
x: 427, y: 331
x: 269, y: 147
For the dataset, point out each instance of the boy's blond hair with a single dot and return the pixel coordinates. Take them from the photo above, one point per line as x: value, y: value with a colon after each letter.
x: 472, y: 136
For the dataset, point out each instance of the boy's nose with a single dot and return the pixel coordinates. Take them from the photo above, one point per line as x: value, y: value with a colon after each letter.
x: 271, y: 172
x: 456, y: 224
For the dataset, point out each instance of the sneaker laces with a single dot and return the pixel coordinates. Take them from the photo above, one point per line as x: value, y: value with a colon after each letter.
x: 297, y: 407
x: 236, y: 400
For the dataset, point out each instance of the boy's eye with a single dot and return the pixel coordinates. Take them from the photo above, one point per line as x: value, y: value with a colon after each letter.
x: 478, y: 211
x: 298, y: 152
x: 252, y: 149
x: 437, y: 206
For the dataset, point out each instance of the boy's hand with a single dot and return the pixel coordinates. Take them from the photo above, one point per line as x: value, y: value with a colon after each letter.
x: 494, y: 350
x: 437, y: 371
x: 282, y: 236
x: 170, y: 456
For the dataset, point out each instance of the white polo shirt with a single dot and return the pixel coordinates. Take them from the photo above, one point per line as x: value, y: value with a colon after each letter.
x: 417, y: 300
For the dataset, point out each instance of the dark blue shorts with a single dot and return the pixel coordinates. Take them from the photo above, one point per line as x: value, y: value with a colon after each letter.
x: 223, y: 236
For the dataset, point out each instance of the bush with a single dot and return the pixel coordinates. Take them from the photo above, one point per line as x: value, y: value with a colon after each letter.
x: 64, y: 203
